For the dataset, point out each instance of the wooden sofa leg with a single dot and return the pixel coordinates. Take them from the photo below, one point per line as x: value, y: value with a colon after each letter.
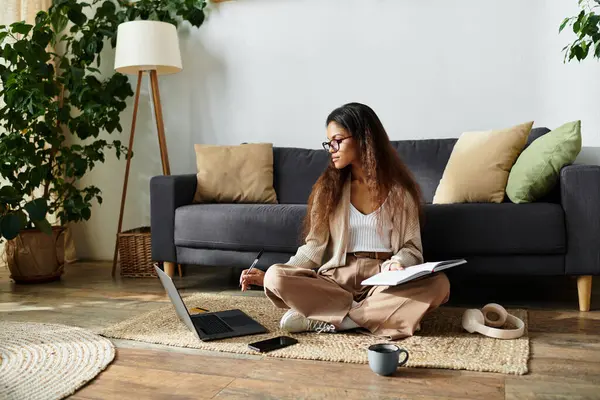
x: 584, y: 289
x: 179, y: 268
x: 169, y: 268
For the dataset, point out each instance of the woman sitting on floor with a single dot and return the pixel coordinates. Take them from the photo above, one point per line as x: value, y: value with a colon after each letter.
x: 363, y: 218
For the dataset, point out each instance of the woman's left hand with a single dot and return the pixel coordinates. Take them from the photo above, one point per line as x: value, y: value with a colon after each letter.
x: 391, y: 265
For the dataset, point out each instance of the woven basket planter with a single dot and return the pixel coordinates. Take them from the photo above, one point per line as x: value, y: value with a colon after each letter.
x: 135, y: 253
x: 35, y: 257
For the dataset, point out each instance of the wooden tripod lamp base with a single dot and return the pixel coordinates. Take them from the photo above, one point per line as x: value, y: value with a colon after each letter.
x: 153, y: 47
x: 162, y: 144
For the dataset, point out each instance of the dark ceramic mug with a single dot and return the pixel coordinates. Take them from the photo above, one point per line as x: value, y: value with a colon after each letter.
x: 384, y: 358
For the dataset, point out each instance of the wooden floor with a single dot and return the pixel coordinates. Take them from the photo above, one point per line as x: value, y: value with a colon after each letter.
x: 565, y: 344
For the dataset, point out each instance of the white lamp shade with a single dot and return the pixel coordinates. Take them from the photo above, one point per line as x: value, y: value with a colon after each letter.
x: 147, y: 45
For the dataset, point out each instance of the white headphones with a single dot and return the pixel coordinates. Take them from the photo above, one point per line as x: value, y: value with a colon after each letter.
x: 491, y: 317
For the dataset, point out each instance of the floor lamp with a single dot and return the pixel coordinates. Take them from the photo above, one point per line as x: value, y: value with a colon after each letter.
x: 146, y: 47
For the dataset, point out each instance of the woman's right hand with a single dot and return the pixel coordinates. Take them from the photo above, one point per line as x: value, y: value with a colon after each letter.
x: 391, y: 265
x: 254, y: 277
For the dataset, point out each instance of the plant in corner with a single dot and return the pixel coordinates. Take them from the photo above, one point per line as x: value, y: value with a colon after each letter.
x: 54, y: 105
x: 586, y: 25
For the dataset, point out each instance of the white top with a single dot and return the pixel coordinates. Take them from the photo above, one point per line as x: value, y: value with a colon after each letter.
x: 363, y: 232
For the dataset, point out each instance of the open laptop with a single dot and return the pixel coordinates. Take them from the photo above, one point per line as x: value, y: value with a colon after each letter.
x: 210, y: 325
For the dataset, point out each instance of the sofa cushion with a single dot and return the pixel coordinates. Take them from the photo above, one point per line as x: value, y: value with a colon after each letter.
x: 426, y: 159
x: 537, y: 169
x: 295, y: 172
x: 479, y: 165
x: 448, y: 229
x: 243, y: 227
x: 535, y: 134
x: 235, y: 174
x: 489, y: 228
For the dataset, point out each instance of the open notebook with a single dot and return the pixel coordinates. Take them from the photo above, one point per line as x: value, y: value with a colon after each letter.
x: 393, y: 278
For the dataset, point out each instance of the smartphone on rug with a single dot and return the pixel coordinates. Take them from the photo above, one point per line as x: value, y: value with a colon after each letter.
x: 275, y: 343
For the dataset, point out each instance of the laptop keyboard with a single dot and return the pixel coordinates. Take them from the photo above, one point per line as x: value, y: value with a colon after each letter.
x: 211, y: 325
x: 237, y: 320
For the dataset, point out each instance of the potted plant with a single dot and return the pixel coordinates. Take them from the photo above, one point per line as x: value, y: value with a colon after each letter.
x: 54, y: 105
x: 586, y: 25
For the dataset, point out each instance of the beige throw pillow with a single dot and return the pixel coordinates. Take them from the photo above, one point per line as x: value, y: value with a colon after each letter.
x: 235, y: 174
x: 479, y: 165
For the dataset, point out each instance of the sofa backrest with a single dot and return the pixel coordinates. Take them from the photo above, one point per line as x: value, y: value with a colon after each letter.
x: 296, y: 170
x: 426, y: 159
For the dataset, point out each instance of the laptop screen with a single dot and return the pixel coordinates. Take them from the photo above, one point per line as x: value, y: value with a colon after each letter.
x: 176, y: 300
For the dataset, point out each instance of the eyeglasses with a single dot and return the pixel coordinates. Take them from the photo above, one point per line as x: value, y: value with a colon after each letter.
x: 334, y: 144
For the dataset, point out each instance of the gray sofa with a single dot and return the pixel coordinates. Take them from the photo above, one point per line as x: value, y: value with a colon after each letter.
x: 559, y: 235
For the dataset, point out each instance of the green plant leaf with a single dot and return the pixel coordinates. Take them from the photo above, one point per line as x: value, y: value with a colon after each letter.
x: 9, y: 195
x: 59, y: 22
x: 76, y: 16
x: 12, y: 224
x: 10, y: 54
x: 196, y: 17
x: 585, y: 47
x: 577, y: 24
x: 40, y: 18
x: 3, y: 36
x: 91, y: 47
x: 80, y: 166
x: 64, y: 114
x: 107, y: 8
x: 21, y: 28
x: 42, y: 38
x: 564, y: 24
x: 86, y: 213
x: 44, y: 226
x: 37, y: 175
x: 111, y: 126
x: 132, y: 13
x: 37, y: 209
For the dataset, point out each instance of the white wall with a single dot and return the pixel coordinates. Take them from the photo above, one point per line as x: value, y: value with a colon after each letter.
x: 271, y: 70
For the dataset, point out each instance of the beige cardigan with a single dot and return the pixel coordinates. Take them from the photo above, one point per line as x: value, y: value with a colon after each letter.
x: 330, y: 246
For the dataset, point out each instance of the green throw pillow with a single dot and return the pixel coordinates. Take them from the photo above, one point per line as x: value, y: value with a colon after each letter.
x: 537, y: 169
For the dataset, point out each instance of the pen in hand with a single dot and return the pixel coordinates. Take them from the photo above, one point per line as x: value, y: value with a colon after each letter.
x: 253, y: 264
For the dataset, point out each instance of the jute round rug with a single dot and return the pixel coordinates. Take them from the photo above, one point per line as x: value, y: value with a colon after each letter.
x: 48, y: 361
x: 441, y: 343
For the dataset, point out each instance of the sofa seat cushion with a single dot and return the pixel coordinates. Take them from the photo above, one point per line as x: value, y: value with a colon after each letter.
x: 243, y: 227
x: 449, y: 230
x: 493, y: 229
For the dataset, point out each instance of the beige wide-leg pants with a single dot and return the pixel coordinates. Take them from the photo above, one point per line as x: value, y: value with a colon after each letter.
x: 388, y: 311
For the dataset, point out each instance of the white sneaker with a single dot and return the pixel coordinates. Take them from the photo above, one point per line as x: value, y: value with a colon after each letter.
x: 294, y: 322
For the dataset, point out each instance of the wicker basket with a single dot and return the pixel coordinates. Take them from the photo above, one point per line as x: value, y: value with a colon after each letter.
x: 135, y: 253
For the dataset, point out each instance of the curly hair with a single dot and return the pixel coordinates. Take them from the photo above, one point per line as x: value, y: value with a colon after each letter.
x: 387, y: 177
